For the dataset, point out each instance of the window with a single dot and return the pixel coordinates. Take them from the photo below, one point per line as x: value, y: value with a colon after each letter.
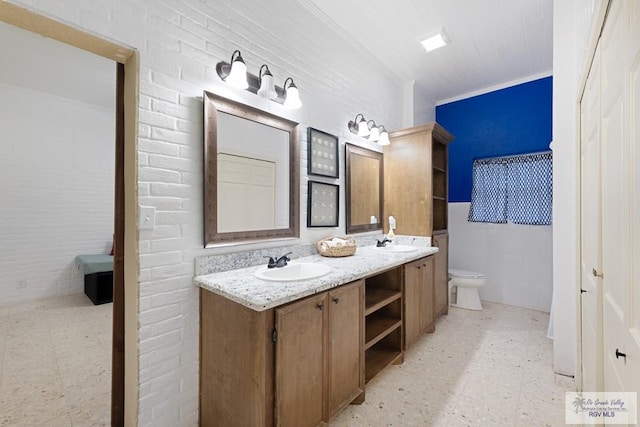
x: 516, y: 189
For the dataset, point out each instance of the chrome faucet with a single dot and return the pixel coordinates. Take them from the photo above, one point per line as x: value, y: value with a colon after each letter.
x: 278, y: 262
x: 382, y: 243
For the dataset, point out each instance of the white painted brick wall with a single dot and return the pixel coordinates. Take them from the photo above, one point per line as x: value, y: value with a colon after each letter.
x: 56, y: 196
x: 179, y: 44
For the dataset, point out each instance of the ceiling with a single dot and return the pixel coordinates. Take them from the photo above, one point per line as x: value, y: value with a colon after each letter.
x: 38, y: 63
x: 492, y: 41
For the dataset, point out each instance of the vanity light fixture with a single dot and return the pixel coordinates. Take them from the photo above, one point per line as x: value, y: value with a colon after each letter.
x: 291, y: 94
x: 363, y: 128
x: 267, y: 88
x: 435, y: 41
x: 236, y: 73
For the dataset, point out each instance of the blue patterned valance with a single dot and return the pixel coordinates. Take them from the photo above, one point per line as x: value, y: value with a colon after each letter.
x: 518, y: 189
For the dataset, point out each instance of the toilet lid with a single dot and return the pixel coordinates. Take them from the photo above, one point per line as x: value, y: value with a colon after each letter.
x: 465, y: 274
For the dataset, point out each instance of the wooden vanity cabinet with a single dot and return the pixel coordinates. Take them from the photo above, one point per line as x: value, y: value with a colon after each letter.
x: 300, y: 362
x: 295, y: 365
x: 346, y: 341
x: 319, y: 358
x: 419, y: 315
x: 236, y: 363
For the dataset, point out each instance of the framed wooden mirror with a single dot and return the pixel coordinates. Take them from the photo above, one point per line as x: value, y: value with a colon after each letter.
x: 251, y: 174
x: 364, y: 189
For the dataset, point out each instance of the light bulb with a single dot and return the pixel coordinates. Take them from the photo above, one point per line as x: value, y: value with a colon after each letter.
x: 292, y: 96
x: 238, y: 74
x: 363, y: 129
x: 384, y: 138
x: 375, y: 134
x: 267, y: 90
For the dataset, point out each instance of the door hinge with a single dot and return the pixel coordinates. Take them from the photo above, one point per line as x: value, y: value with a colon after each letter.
x: 274, y: 335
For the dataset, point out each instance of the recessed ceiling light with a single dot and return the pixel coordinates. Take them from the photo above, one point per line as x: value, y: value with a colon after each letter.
x: 435, y: 41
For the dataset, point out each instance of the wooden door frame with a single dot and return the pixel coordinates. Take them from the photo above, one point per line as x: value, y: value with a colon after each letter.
x: 126, y: 266
x: 118, y: 333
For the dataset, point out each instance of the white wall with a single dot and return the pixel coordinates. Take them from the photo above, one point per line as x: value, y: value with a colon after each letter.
x: 516, y: 259
x: 572, y: 26
x: 424, y: 106
x: 418, y: 107
x: 179, y: 45
x: 57, y: 175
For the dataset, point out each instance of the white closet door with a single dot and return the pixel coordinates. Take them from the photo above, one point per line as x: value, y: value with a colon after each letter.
x: 632, y: 79
x: 590, y: 223
x: 618, y: 120
x: 246, y: 194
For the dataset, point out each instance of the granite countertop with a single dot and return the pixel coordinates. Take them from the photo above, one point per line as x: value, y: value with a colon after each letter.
x: 243, y: 287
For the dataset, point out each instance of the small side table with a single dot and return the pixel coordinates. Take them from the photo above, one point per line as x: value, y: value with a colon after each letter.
x: 98, y: 277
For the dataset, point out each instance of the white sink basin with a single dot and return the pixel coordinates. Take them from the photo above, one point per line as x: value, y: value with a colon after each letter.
x: 293, y: 272
x: 396, y: 248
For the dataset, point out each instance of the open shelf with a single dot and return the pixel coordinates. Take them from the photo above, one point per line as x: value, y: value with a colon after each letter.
x: 376, y: 298
x: 379, y: 326
x: 383, y: 321
x: 439, y: 214
x: 379, y: 357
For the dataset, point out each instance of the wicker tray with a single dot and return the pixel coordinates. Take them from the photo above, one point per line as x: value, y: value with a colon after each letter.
x: 349, y: 248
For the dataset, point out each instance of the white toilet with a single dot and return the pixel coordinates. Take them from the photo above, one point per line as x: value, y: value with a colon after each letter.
x: 466, y: 284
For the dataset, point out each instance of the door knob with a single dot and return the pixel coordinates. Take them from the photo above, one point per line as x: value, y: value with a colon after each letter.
x: 320, y: 306
x: 582, y: 291
x: 596, y: 274
x: 618, y: 354
x: 336, y: 300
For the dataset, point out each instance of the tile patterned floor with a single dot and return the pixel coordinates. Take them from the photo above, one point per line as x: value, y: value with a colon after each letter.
x: 480, y: 368
x: 488, y: 368
x: 55, y: 363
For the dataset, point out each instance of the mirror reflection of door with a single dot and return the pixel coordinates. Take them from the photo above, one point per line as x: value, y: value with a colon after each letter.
x: 253, y: 175
x: 246, y: 191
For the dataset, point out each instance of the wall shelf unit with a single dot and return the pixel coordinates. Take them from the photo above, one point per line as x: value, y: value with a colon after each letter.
x: 416, y: 194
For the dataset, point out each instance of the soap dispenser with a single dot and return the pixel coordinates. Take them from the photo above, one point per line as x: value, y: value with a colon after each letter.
x: 392, y: 225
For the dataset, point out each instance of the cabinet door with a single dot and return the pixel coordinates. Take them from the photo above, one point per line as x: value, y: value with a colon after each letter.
x: 346, y: 345
x: 413, y: 302
x: 300, y: 359
x: 441, y: 273
x: 427, y: 312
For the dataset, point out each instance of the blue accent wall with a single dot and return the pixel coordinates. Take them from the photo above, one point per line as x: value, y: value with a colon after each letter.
x: 513, y: 120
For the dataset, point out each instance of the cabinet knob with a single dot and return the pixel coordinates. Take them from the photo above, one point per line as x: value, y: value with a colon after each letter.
x: 596, y: 274
x: 618, y: 354
x: 336, y: 300
x: 320, y: 306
